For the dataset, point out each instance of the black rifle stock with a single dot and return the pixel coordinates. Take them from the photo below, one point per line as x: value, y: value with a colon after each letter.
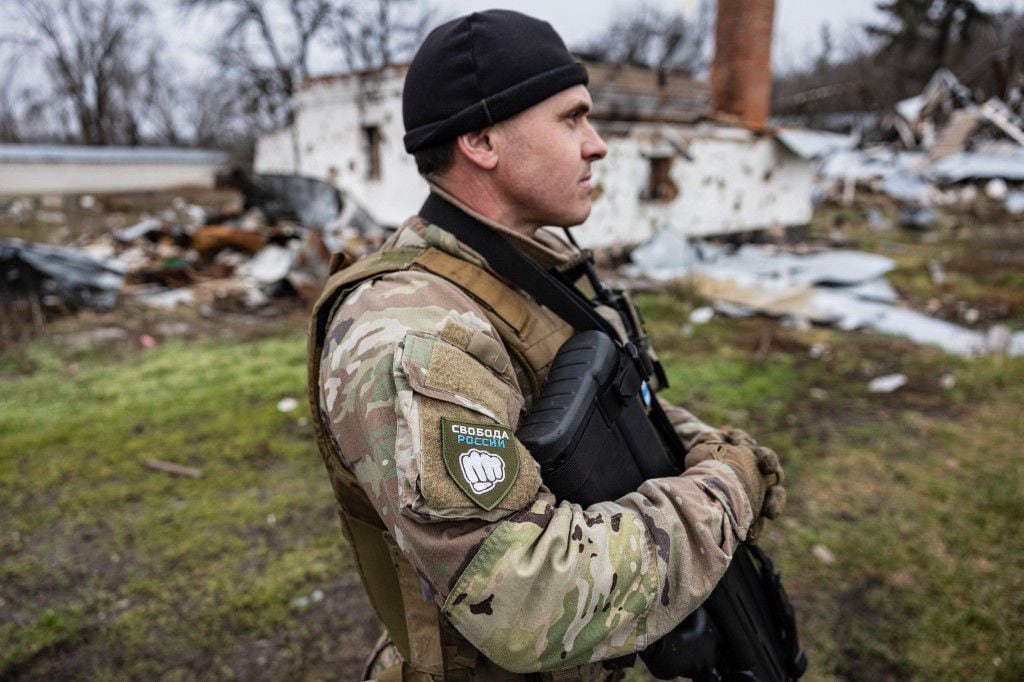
x: 594, y: 440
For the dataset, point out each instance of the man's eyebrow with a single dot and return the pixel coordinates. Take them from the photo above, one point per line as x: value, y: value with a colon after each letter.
x: 578, y: 108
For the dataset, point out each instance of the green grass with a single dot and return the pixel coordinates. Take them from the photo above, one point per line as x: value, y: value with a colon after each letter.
x: 102, y: 553
x: 110, y: 570
x: 917, y: 494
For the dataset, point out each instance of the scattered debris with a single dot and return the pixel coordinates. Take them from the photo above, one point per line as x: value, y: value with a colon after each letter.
x: 823, y: 554
x: 171, y: 329
x: 36, y: 280
x: 139, y: 230
x: 215, y: 238
x: 943, y: 148
x: 303, y: 602
x: 974, y: 166
x: 1014, y: 202
x: 814, y: 144
x: 850, y: 313
x: 277, y: 244
x: 878, y: 220
x: 920, y: 219
x: 996, y: 189
x: 270, y: 265
x: 947, y: 382
x: 307, y: 201
x: 174, y: 469
x: 287, y: 404
x: 888, y: 383
x: 1000, y: 339
x: 842, y: 288
x: 702, y: 315
x: 59, y: 275
x: 166, y: 299
x: 94, y: 337
x: 818, y: 350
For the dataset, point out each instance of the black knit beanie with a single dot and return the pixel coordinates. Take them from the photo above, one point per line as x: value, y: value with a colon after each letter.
x: 483, y: 68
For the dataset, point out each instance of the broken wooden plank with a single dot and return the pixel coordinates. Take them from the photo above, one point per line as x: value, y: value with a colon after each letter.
x: 174, y: 469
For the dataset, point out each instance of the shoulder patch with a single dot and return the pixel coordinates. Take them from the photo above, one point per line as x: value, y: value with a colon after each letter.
x: 482, y: 459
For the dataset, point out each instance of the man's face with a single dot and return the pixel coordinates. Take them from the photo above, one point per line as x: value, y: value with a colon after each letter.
x: 544, y: 158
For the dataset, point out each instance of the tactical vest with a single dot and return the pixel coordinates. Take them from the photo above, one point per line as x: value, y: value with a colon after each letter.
x: 532, y: 334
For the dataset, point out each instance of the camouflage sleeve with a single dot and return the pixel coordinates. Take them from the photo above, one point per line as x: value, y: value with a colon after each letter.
x: 686, y: 424
x: 411, y: 365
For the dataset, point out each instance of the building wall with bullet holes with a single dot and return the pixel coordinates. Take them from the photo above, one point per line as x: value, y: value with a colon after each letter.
x: 699, y: 178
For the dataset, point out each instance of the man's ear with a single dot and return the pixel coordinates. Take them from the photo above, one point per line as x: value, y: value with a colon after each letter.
x: 478, y: 148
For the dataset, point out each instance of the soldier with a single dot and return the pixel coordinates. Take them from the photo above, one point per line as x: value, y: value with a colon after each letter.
x: 423, y: 361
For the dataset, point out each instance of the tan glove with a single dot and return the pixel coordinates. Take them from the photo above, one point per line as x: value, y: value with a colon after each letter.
x: 768, y: 464
x: 757, y: 467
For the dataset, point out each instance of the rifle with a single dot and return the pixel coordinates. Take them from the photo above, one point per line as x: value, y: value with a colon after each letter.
x: 594, y: 440
x: 746, y: 629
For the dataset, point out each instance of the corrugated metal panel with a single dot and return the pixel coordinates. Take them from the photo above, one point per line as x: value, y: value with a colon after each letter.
x: 967, y: 166
x: 814, y: 144
x: 54, y: 153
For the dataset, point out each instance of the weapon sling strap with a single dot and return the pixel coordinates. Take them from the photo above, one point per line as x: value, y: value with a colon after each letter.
x: 545, y: 288
x: 516, y: 267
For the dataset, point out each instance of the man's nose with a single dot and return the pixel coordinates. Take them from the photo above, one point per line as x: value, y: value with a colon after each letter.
x: 594, y: 147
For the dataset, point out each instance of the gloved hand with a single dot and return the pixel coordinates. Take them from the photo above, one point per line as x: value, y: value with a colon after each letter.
x: 768, y: 464
x: 757, y: 467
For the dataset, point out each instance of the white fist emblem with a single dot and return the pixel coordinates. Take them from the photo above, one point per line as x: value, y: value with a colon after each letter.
x: 482, y: 470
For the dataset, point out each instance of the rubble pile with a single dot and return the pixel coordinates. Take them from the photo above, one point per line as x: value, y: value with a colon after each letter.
x: 278, y: 245
x: 846, y: 289
x: 949, y: 152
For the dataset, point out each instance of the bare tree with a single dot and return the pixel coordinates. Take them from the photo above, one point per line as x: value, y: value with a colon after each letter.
x: 883, y: 64
x: 98, y: 59
x: 10, y: 128
x: 264, y: 54
x: 196, y: 109
x: 919, y: 36
x: 265, y: 50
x: 379, y: 33
x: 644, y: 35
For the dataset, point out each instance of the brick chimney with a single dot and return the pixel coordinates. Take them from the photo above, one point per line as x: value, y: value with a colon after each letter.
x: 741, y: 73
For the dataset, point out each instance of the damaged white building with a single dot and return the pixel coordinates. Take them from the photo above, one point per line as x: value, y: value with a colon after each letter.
x: 676, y: 158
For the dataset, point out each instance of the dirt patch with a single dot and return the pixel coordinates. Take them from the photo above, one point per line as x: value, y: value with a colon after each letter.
x: 332, y: 641
x: 328, y: 639
x: 869, y: 635
x: 62, y: 652
x: 75, y: 558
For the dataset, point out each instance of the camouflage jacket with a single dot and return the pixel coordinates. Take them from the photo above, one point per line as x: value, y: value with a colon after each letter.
x: 535, y: 585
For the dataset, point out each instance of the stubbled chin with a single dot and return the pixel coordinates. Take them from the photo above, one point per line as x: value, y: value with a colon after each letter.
x: 581, y: 217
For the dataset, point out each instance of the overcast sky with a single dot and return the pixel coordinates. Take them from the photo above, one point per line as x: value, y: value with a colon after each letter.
x: 797, y: 22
